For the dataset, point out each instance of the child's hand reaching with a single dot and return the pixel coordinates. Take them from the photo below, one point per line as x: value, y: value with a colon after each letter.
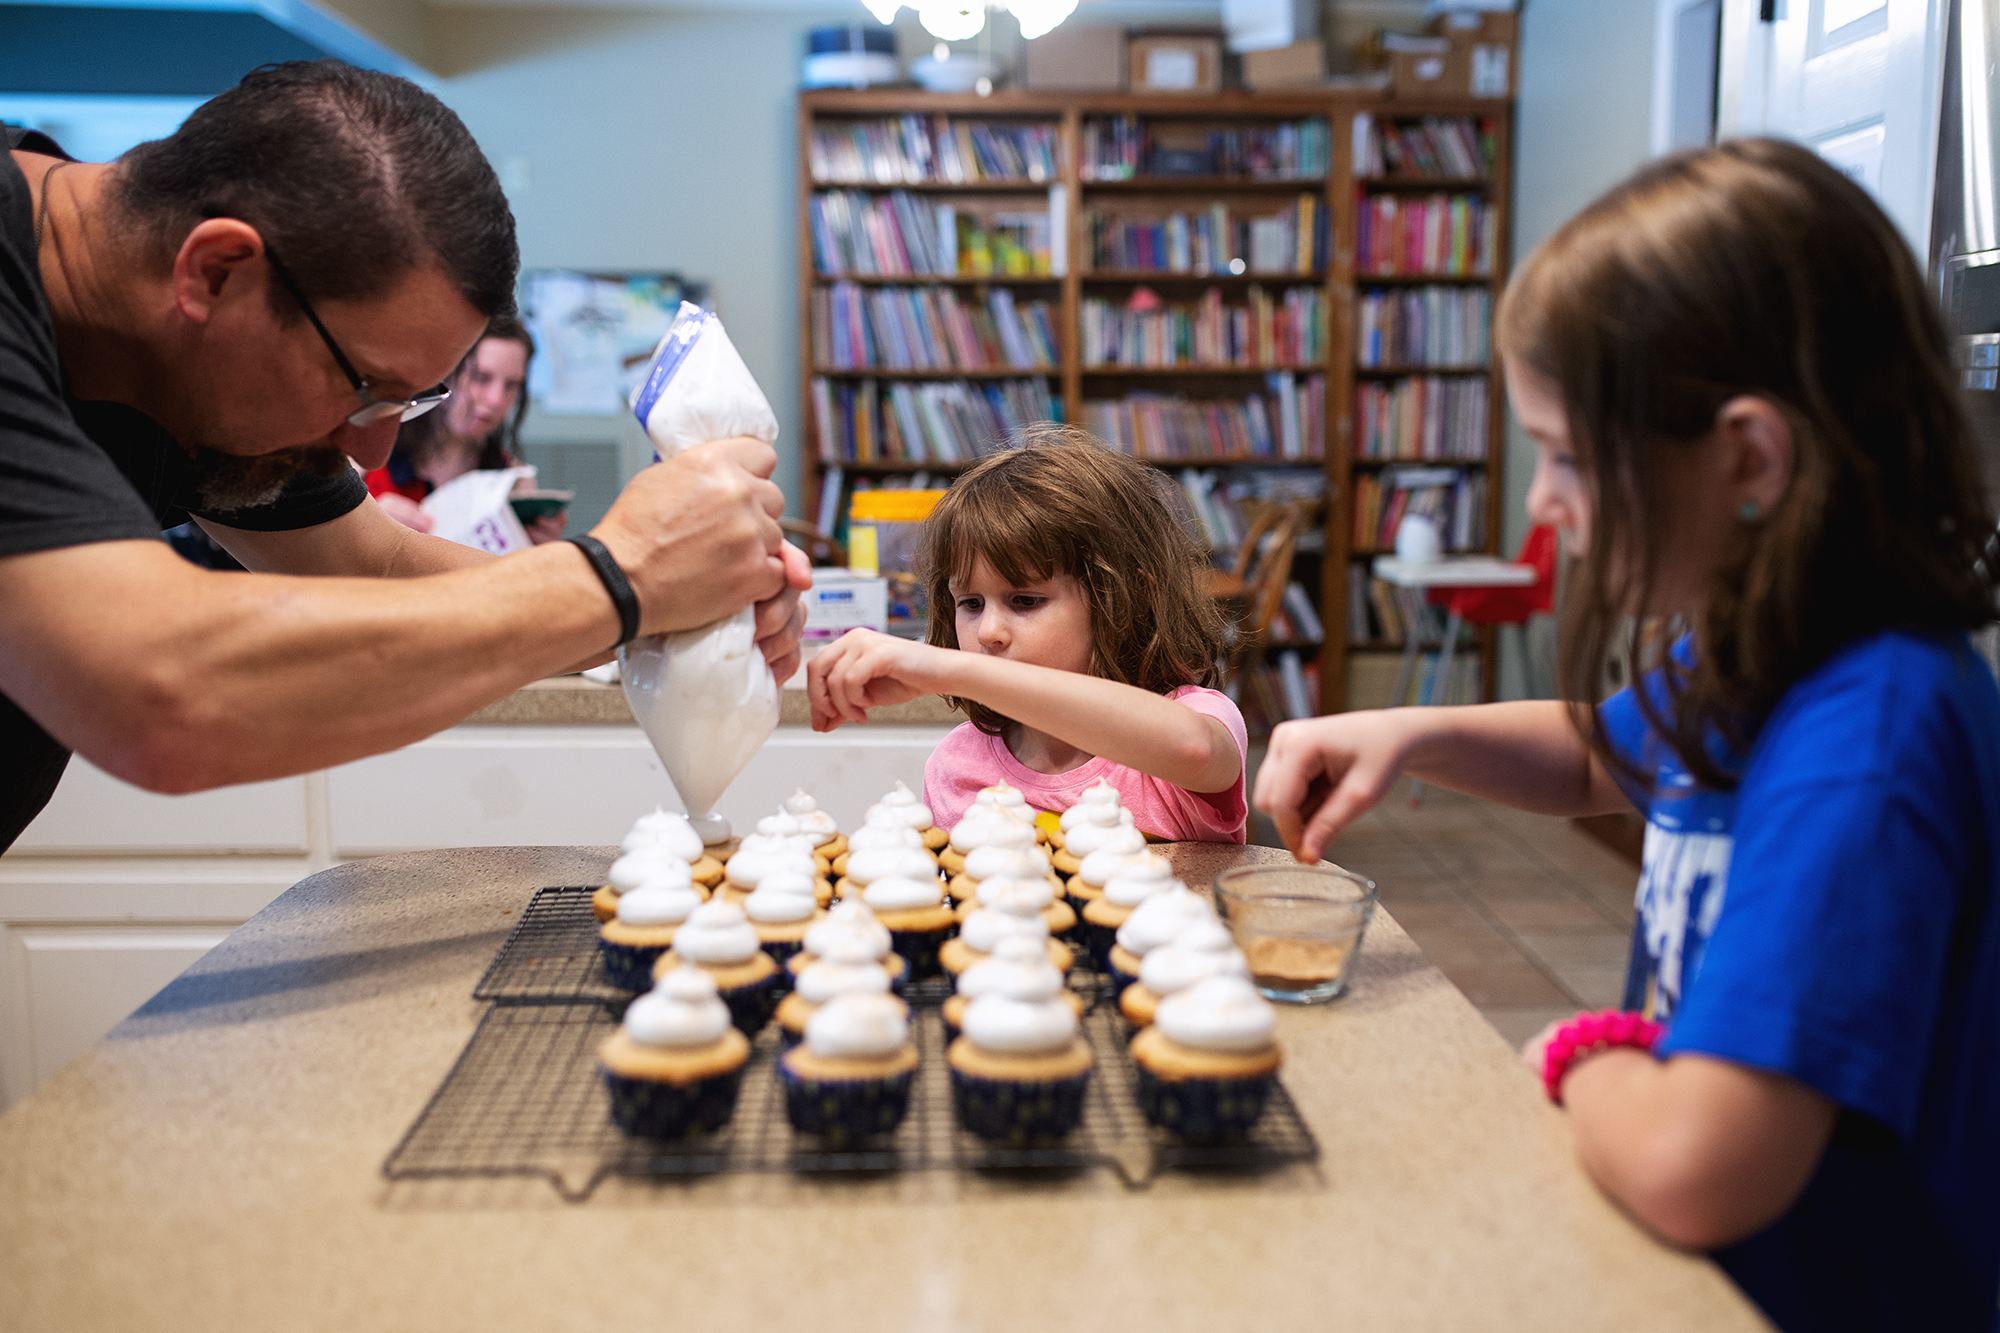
x: 864, y: 669
x: 1322, y: 774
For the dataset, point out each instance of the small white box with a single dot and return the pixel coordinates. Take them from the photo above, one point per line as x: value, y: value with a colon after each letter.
x: 841, y: 599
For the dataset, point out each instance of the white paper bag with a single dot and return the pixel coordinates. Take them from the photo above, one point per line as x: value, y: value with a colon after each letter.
x: 472, y: 510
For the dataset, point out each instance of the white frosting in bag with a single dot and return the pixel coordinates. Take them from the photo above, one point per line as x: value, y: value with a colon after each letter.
x: 664, y: 828
x: 1202, y: 949
x: 1019, y: 969
x: 1160, y: 918
x: 657, y: 905
x: 895, y: 893
x: 1101, y: 793
x: 681, y: 1010
x: 903, y: 806
x: 1220, y: 1013
x: 858, y: 1027
x: 1008, y: 1026
x: 1099, y: 866
x: 1138, y: 879
x: 717, y: 932
x: 849, y: 919
x: 872, y: 863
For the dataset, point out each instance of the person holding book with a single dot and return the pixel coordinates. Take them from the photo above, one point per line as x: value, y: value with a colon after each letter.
x: 1748, y: 427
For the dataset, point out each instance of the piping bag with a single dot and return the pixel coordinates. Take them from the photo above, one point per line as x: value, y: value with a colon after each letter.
x: 705, y: 697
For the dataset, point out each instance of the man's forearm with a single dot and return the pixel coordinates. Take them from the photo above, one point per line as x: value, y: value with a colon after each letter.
x: 1524, y: 754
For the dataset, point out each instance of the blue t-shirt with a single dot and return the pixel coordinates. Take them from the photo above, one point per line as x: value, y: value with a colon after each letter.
x: 1836, y: 919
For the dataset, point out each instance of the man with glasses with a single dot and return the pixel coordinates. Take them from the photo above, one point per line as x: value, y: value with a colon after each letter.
x: 221, y: 326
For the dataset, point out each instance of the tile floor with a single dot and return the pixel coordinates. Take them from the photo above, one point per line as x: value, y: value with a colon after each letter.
x: 1531, y: 918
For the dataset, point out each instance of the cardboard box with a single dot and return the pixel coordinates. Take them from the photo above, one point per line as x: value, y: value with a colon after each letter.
x: 1175, y: 64
x: 1488, y: 41
x: 1077, y: 59
x: 1426, y: 66
x: 841, y: 599
x: 1478, y: 27
x: 1300, y: 64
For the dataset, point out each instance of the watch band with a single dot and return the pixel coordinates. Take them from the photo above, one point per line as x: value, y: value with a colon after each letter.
x: 615, y: 583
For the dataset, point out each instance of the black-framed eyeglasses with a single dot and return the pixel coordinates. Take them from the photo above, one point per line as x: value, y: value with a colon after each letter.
x: 372, y: 409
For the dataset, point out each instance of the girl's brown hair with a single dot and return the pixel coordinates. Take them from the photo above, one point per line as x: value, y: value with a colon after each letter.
x: 1061, y: 503
x: 1752, y: 268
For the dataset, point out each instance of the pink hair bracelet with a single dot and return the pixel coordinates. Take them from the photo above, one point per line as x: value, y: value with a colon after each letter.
x: 1586, y: 1035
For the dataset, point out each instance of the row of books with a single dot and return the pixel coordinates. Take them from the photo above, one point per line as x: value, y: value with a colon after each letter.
x: 1214, y: 240
x: 1433, y: 148
x: 1119, y: 148
x: 1296, y: 619
x: 949, y: 421
x: 1455, y: 500
x: 1260, y: 332
x: 1425, y: 326
x: 1288, y: 420
x: 901, y: 235
x: 1218, y: 497
x: 929, y: 328
x: 910, y: 150
x: 1423, y: 417
x: 1440, y: 233
x: 1372, y: 679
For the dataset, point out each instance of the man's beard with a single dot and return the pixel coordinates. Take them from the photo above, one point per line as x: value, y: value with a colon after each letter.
x: 227, y: 483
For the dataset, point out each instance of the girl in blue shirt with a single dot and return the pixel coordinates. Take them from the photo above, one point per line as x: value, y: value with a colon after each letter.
x: 1747, y: 426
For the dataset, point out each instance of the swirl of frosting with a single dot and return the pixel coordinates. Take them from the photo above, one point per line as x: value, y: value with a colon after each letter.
x: 896, y: 893
x: 749, y: 869
x: 1000, y: 796
x: 681, y: 1010
x: 1003, y: 1024
x: 872, y: 863
x: 717, y: 932
x: 990, y: 862
x: 783, y: 824
x: 663, y: 828
x: 773, y: 842
x: 1218, y: 1013
x: 1202, y: 949
x: 1022, y: 897
x: 971, y: 831
x: 858, y: 1027
x: 1099, y: 793
x: 814, y: 822
x: 1099, y: 866
x: 782, y: 897
x: 848, y: 919
x: 989, y: 925
x: 1162, y: 917
x: 849, y: 965
x: 1100, y: 823
x: 650, y: 864
x: 903, y: 806
x: 658, y: 904
x: 1138, y: 879
x: 1019, y: 968
x: 884, y: 833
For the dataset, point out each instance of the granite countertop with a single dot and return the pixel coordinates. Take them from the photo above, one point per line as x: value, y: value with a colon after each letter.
x: 215, y: 1163
x: 572, y: 701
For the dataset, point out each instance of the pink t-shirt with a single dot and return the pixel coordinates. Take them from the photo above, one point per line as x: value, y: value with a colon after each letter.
x: 969, y: 759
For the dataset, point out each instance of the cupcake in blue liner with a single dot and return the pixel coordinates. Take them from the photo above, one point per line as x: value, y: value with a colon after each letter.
x: 675, y: 1064
x: 816, y: 824
x: 1019, y: 1069
x: 902, y: 857
x: 664, y: 830
x: 919, y: 922
x: 1017, y: 965
x: 648, y: 916
x: 782, y: 908
x: 996, y: 847
x: 881, y: 831
x: 654, y: 864
x: 849, y: 1080
x: 846, y: 920
x: 1089, y: 824
x: 847, y: 967
x: 1009, y: 908
x: 1154, y: 922
x: 1010, y: 869
x: 901, y: 805
x: 1205, y: 1067
x: 1095, y: 870
x: 764, y: 854
x: 1203, y: 949
x: 718, y: 938
x: 1138, y: 879
x: 991, y: 806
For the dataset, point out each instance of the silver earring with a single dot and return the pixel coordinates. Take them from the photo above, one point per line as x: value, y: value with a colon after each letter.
x: 1750, y: 512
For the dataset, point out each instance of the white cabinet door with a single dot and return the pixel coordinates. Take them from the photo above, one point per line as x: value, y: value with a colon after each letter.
x: 95, y: 814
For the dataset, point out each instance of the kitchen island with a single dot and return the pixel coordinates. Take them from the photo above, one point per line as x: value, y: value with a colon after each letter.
x: 215, y: 1163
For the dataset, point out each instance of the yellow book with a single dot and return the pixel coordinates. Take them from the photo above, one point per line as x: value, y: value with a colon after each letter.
x: 1306, y: 229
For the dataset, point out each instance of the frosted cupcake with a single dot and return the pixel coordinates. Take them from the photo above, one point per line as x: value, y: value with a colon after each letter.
x: 914, y: 911
x: 827, y: 839
x: 902, y: 805
x: 849, y: 1080
x: 1057, y: 914
x: 1087, y: 825
x: 762, y: 855
x: 848, y: 967
x: 1202, y: 950
x: 1009, y: 848
x: 648, y: 917
x: 1205, y: 1067
x: 1094, y: 871
x: 718, y: 938
x: 1138, y: 879
x: 781, y: 909
x: 867, y: 864
x: 664, y: 828
x: 1019, y: 1068
x: 881, y: 833
x: 979, y: 827
x: 1158, y: 920
x: 852, y: 919
x: 1019, y: 965
x: 675, y: 1064
x: 651, y: 864
x: 1013, y: 910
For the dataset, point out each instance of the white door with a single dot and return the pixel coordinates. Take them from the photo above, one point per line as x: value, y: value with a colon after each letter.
x: 1857, y: 80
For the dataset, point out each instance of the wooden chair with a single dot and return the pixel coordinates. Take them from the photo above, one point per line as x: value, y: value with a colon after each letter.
x: 1253, y: 588
x: 818, y: 546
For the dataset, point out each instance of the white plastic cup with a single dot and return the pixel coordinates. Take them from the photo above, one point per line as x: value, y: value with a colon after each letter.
x: 1417, y: 540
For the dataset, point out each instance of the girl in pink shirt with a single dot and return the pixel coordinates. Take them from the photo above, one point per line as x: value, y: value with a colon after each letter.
x: 1071, y: 622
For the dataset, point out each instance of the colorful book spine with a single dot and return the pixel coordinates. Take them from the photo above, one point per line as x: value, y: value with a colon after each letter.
x: 912, y: 150
x: 1435, y: 234
x: 1285, y: 422
x: 1424, y: 326
x: 1421, y: 418
x: 931, y: 422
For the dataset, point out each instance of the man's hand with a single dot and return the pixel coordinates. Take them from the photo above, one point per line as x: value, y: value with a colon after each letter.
x: 698, y: 535
x: 781, y: 619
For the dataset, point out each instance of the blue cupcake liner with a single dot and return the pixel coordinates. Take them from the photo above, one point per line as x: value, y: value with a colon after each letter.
x: 666, y: 1111
x: 845, y: 1112
x: 1097, y: 941
x: 1018, y: 1114
x: 629, y: 966
x: 1119, y: 979
x: 781, y: 952
x: 1203, y: 1109
x: 751, y: 1007
x: 919, y: 949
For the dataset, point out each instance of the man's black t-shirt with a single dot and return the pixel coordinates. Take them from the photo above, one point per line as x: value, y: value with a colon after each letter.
x: 74, y: 472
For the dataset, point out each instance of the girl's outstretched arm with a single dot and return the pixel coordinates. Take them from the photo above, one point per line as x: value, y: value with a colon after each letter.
x: 1122, y: 723
x: 1323, y: 773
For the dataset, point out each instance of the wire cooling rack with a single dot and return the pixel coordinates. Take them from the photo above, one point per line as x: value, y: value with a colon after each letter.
x: 524, y: 1098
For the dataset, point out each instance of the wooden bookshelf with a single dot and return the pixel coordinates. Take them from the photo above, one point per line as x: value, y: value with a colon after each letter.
x: 1326, y: 565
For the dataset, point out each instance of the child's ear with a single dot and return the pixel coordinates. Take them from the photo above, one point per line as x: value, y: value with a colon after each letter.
x: 1758, y: 454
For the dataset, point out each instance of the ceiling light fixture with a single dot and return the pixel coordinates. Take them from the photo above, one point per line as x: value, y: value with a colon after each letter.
x: 960, y: 20
x: 1040, y: 16
x: 952, y: 20
x: 885, y: 10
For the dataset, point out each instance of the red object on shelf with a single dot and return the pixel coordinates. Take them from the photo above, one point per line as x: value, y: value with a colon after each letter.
x: 1509, y: 606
